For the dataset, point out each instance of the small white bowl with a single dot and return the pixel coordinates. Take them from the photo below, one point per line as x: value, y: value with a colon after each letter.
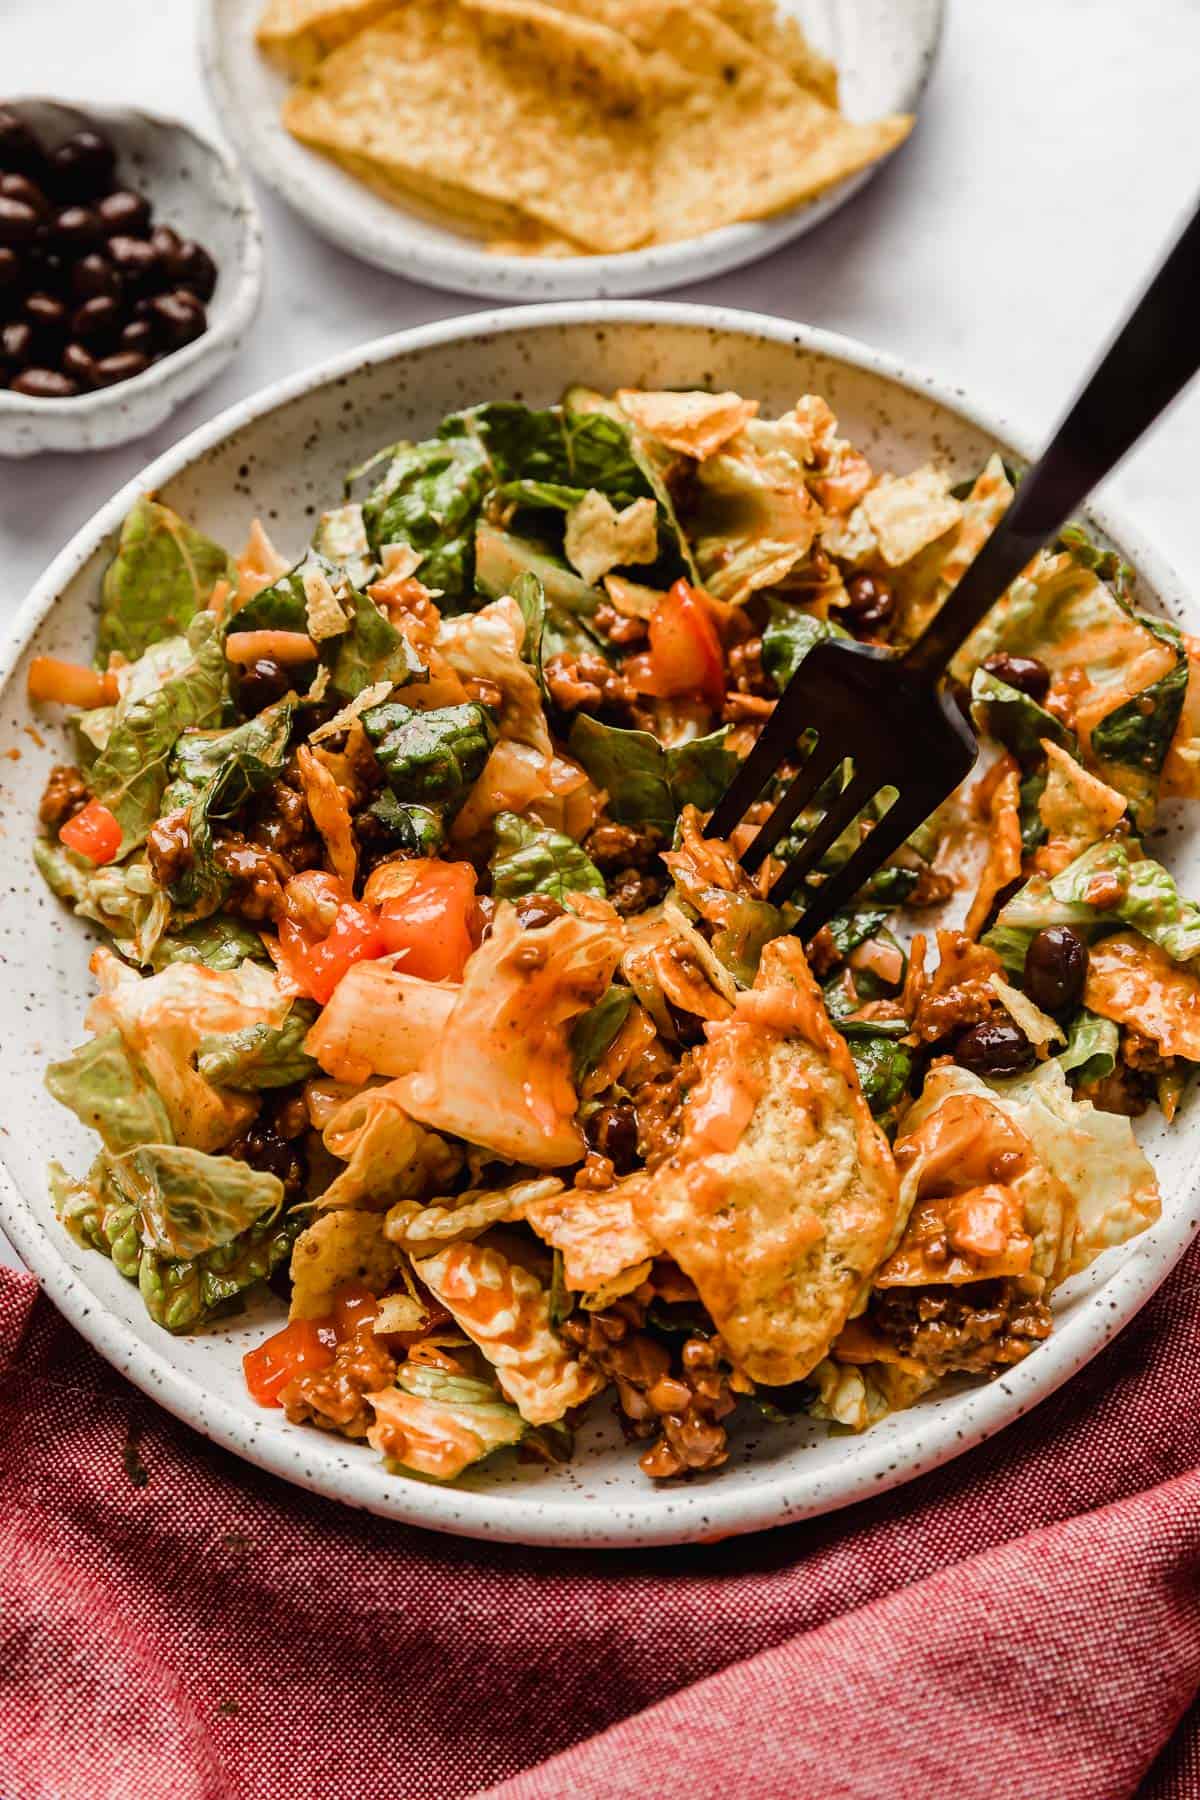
x: 884, y: 51
x: 194, y: 186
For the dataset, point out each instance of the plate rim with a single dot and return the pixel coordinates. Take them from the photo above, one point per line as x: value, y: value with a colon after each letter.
x: 474, y: 271
x: 528, y: 1516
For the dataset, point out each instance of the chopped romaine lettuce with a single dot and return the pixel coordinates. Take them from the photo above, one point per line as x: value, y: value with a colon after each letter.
x: 163, y: 573
x: 884, y: 1065
x: 531, y: 858
x: 212, y: 776
x: 419, y: 830
x: 439, y: 1424
x: 594, y: 1030
x: 341, y: 537
x: 700, y: 770
x: 1126, y: 890
x: 431, y: 758
x: 110, y: 1092
x: 787, y: 638
x: 190, y: 1201
x: 130, y: 774
x: 646, y: 784
x: 123, y: 897
x: 1014, y: 719
x: 219, y: 942
x: 260, y: 1056
x: 1092, y: 1047
x: 371, y: 651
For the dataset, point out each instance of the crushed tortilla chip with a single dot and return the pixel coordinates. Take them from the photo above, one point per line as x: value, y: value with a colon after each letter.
x: 599, y: 538
x: 694, y: 424
x: 907, y: 512
x: 339, y: 1247
x: 322, y: 608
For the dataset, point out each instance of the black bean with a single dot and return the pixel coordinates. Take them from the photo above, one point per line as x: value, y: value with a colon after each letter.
x: 192, y: 267
x: 98, y: 321
x: 43, y: 384
x: 18, y: 221
x: 12, y: 271
x: 77, y: 229
x: 79, y: 364
x: 94, y: 274
x: 17, y: 342
x: 168, y: 243
x: 137, y: 262
x: 20, y: 148
x: 613, y: 1132
x: 177, y: 317
x: 122, y: 365
x: 82, y: 167
x: 260, y: 684
x: 996, y: 1047
x: 1056, y: 966
x: 1025, y: 673
x: 49, y: 270
x: 138, y: 335
x: 124, y: 211
x: 19, y: 187
x: 48, y: 316
x: 871, y: 602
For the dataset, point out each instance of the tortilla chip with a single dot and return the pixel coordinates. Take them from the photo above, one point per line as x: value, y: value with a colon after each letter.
x: 420, y: 1229
x: 694, y: 424
x: 782, y: 1196
x: 598, y: 1233
x: 1076, y: 807
x: 339, y: 1247
x: 925, y: 582
x: 296, y: 34
x: 781, y: 38
x: 553, y: 130
x: 599, y: 538
x: 908, y: 512
x: 1132, y: 981
x: 743, y: 141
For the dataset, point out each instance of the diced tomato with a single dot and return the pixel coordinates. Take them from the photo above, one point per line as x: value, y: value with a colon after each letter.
x: 685, y: 651
x: 431, y: 921
x: 352, y: 1303
x: 316, y: 968
x: 300, y: 1348
x: 93, y: 833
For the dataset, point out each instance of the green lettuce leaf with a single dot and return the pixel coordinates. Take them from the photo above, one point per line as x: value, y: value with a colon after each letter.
x: 183, y: 1295
x: 1015, y: 720
x: 1147, y: 900
x: 130, y: 774
x: 699, y: 771
x: 429, y: 497
x: 787, y: 638
x: 1138, y: 734
x: 123, y: 897
x: 1092, y: 1047
x: 110, y: 1092
x: 341, y: 538
x: 1112, y: 569
x: 532, y: 858
x: 746, y: 926
x: 419, y: 830
x: 283, y: 605
x: 884, y: 1065
x: 213, y: 775
x: 190, y: 1201
x: 475, y: 1406
x: 260, y: 1056
x: 180, y: 1294
x: 431, y: 758
x: 503, y: 560
x: 372, y: 650
x: 162, y: 575
x: 595, y: 1029
x: 219, y: 942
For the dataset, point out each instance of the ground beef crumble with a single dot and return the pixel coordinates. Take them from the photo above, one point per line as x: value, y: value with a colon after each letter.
x: 590, y: 682
x: 169, y: 847
x: 659, y: 1108
x: 980, y: 1326
x: 65, y: 794
x: 677, y: 1402
x: 334, y: 1397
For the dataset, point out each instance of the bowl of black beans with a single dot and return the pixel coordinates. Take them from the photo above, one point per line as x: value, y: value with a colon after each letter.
x: 130, y: 271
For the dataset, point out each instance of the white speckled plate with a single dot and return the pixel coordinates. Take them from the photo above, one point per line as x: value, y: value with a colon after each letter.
x: 884, y: 50
x: 282, y: 455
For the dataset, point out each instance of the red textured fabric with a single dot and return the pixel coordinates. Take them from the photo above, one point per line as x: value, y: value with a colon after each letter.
x: 1026, y: 1620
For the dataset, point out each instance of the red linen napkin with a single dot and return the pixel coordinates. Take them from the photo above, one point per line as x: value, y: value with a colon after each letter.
x: 212, y: 1634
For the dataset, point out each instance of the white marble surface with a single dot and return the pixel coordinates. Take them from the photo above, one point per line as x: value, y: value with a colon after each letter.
x: 1058, y: 144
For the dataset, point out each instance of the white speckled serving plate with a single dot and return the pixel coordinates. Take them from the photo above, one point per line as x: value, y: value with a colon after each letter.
x: 281, y: 456
x: 884, y: 51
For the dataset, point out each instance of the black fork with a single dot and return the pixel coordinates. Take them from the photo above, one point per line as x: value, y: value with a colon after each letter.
x: 885, y: 714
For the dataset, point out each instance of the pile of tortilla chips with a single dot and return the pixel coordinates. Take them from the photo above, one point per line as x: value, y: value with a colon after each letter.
x: 569, y: 127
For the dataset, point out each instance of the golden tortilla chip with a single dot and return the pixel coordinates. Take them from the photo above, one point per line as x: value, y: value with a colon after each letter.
x: 908, y: 512
x: 1132, y: 981
x: 522, y: 107
x: 782, y: 1196
x: 694, y: 424
x: 296, y: 34
x: 781, y: 38
x: 598, y: 1233
x: 339, y: 1247
x: 744, y: 141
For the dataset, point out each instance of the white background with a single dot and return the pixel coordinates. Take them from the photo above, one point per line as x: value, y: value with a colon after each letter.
x: 1058, y: 144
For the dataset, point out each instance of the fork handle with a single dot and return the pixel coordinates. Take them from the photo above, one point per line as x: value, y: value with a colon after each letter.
x: 1154, y: 355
